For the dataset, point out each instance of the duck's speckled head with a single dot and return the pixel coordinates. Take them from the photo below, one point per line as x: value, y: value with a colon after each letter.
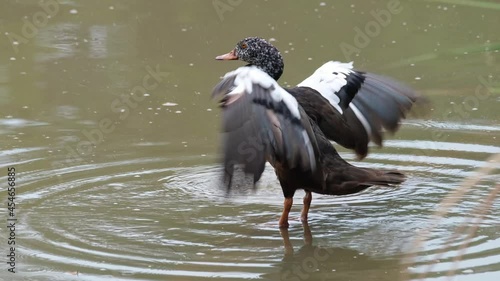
x: 257, y: 51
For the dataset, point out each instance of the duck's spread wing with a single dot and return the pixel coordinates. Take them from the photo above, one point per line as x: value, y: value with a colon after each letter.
x: 262, y: 121
x: 353, y: 108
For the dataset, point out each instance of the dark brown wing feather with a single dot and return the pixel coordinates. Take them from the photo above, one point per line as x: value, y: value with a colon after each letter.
x: 257, y: 127
x: 381, y: 101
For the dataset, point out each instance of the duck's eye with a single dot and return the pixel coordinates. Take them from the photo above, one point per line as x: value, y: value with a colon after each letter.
x: 243, y: 45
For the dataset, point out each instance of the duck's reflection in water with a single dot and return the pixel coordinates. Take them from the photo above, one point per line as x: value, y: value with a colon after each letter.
x: 311, y: 262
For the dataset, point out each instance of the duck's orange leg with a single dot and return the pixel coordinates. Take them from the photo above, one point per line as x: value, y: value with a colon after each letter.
x: 307, y: 203
x: 287, y: 206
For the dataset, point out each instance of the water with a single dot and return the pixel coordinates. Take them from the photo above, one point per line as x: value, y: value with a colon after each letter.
x: 114, y: 185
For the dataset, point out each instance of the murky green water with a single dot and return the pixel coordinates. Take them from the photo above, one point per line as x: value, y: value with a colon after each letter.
x: 105, y: 114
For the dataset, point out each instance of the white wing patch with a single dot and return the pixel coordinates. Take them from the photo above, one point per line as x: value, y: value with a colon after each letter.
x: 361, y: 119
x: 310, y: 150
x: 247, y: 76
x: 328, y: 80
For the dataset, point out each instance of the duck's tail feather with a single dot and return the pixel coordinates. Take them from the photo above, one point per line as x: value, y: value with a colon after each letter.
x: 385, y: 178
x: 351, y: 179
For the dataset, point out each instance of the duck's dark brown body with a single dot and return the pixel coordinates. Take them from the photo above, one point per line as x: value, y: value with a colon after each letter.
x: 337, y: 177
x: 293, y: 127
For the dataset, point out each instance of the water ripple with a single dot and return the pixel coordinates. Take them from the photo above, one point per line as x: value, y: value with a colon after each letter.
x: 149, y: 219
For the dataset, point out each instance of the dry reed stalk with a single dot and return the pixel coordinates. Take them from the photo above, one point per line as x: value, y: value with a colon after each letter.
x: 472, y: 223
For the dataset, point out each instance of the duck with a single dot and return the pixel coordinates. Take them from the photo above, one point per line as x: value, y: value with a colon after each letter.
x: 293, y: 128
